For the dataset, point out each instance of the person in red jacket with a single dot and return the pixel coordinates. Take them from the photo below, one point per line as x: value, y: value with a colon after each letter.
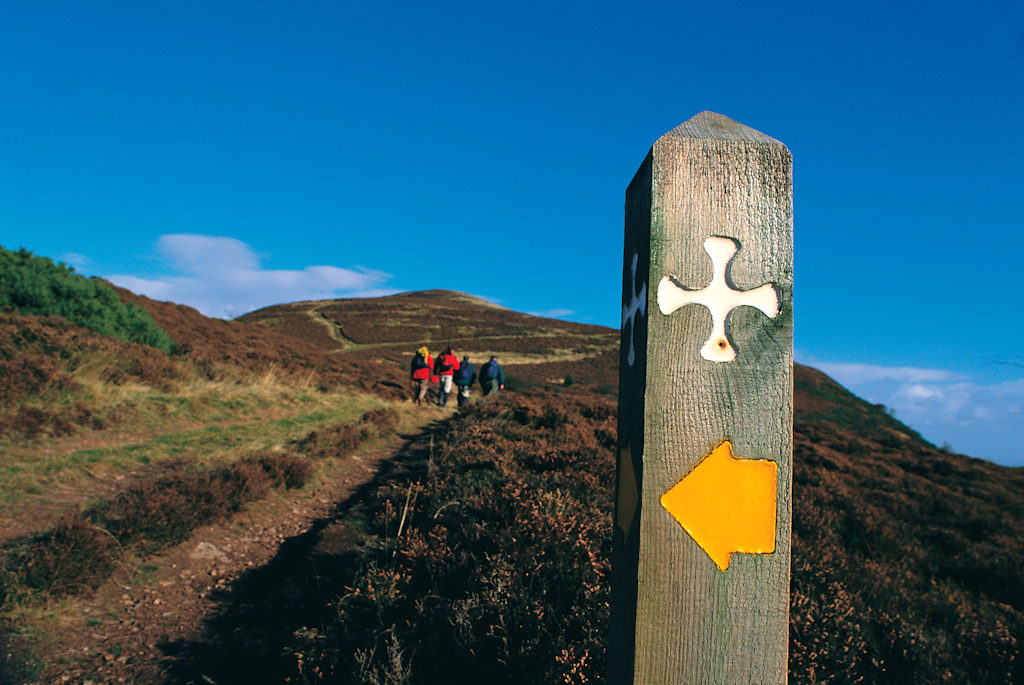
x: 419, y: 372
x: 445, y: 367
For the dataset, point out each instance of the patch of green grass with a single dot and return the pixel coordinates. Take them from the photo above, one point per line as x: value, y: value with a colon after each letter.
x: 30, y: 473
x: 145, y: 574
x: 83, y: 549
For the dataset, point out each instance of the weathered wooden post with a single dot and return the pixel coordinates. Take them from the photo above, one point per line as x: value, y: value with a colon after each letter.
x: 702, y: 516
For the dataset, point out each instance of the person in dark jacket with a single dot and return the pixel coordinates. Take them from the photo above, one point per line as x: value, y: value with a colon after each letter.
x: 419, y: 373
x: 465, y: 377
x: 492, y: 377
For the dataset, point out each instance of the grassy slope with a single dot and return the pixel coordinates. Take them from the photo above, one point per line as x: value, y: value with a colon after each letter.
x: 86, y: 420
x: 76, y: 405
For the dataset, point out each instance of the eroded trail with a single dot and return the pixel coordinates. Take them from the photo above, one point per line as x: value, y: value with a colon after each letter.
x: 164, y: 621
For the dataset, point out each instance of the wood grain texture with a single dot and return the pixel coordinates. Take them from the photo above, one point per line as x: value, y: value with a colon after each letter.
x: 694, y: 623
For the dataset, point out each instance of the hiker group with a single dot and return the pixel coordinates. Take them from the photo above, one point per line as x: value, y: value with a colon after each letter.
x: 449, y: 372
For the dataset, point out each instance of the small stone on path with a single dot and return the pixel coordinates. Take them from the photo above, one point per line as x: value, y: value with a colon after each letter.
x: 204, y: 550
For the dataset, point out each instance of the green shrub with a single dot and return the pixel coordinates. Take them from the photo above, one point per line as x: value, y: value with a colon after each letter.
x: 36, y: 285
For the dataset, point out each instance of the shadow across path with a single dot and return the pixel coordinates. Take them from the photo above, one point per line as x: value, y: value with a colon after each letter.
x: 247, y: 639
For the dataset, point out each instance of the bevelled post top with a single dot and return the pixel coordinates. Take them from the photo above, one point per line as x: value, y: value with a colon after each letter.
x: 713, y: 126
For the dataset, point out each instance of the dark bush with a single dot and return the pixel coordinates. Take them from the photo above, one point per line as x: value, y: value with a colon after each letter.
x: 36, y: 422
x: 385, y: 419
x: 335, y: 441
x: 284, y: 470
x: 165, y: 511
x: 341, y: 439
x: 75, y: 556
x: 29, y: 375
x: 520, y: 382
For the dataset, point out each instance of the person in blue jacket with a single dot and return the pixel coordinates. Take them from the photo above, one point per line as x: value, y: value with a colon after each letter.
x: 492, y: 377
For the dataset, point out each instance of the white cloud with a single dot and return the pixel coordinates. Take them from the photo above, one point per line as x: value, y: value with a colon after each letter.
x: 553, y: 313
x: 224, y: 277
x: 982, y: 420
x: 862, y: 373
x: 923, y: 392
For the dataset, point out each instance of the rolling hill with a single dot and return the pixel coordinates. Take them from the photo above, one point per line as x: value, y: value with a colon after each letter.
x: 908, y: 561
x: 387, y: 330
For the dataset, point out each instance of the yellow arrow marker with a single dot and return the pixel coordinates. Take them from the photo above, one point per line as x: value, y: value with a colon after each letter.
x: 727, y: 505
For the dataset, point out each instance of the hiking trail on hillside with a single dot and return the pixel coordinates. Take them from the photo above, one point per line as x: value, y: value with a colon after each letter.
x: 127, y: 630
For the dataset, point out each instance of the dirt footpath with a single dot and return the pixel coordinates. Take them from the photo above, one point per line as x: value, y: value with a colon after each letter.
x: 121, y: 633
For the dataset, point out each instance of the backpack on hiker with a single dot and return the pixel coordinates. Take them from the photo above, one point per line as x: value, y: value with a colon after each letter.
x: 445, y: 363
x: 488, y: 372
x: 419, y: 362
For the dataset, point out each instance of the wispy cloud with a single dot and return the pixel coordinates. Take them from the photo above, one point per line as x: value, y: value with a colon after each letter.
x: 78, y: 261
x: 224, y: 277
x: 983, y: 420
x: 866, y: 373
x: 554, y: 313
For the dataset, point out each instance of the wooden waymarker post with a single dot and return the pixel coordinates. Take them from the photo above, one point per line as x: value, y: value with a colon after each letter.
x: 700, y: 586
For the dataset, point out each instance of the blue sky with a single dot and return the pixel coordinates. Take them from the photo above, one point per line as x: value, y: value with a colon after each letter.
x: 235, y: 155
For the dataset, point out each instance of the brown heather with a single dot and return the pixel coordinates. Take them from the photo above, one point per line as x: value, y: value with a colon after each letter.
x: 906, y: 560
x: 489, y: 557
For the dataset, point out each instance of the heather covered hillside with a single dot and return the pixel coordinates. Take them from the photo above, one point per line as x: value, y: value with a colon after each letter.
x: 487, y: 556
x: 535, y: 350
x: 907, y: 559
x: 480, y: 545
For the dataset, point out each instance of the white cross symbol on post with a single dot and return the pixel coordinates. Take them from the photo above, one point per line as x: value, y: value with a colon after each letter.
x: 719, y: 297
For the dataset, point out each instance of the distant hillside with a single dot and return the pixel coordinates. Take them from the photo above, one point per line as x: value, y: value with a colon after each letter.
x: 223, y: 348
x: 535, y: 350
